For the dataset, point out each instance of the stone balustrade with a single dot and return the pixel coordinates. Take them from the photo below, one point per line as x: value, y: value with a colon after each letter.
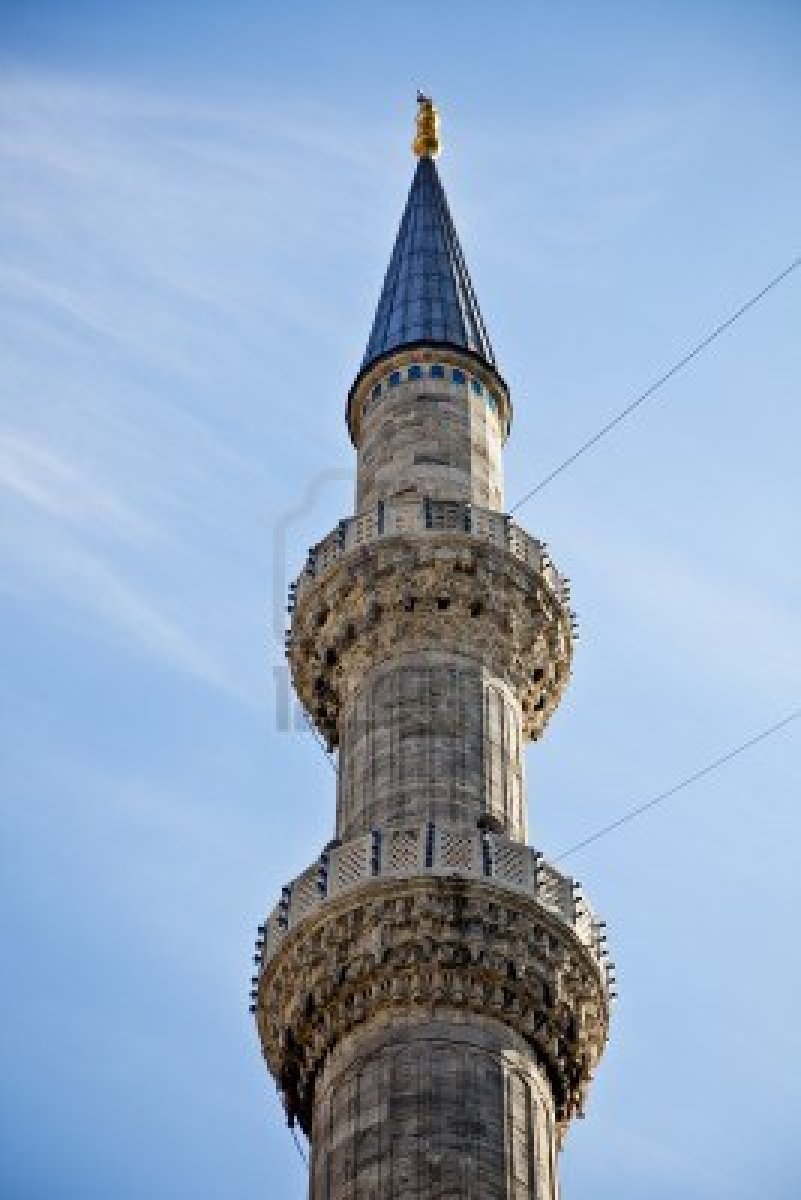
x: 432, y: 850
x: 429, y: 576
x: 419, y: 517
x: 431, y: 921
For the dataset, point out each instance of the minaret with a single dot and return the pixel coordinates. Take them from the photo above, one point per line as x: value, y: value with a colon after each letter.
x: 432, y: 997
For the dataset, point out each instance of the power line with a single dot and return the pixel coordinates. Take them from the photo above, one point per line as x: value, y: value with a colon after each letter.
x: 329, y: 758
x: 298, y: 1145
x: 657, y: 384
x: 616, y: 420
x: 639, y: 809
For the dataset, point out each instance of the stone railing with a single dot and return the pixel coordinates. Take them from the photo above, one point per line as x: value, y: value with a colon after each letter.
x: 424, y: 851
x: 394, y: 518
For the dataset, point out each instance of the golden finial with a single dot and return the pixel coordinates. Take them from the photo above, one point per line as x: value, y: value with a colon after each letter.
x: 426, y: 140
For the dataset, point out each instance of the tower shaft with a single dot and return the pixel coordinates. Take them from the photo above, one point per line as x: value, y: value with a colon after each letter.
x: 432, y: 732
x: 432, y: 997
x: 433, y: 1108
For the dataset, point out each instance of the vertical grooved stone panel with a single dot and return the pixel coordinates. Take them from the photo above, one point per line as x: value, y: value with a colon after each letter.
x: 430, y: 737
x: 435, y: 1111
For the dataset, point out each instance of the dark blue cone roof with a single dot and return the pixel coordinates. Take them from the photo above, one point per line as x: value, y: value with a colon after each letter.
x: 427, y: 294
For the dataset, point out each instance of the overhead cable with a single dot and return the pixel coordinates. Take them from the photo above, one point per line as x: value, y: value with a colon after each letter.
x: 684, y: 361
x: 637, y: 811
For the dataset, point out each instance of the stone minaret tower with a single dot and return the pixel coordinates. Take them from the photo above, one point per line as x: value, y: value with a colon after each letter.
x: 432, y: 997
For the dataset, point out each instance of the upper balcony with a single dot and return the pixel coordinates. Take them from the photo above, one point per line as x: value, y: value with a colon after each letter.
x: 434, y: 850
x: 417, y: 517
x: 438, y: 574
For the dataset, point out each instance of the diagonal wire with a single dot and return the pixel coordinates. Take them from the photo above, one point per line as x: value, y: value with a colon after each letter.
x: 639, y: 809
x: 658, y: 383
x: 298, y: 1145
x: 587, y: 445
x: 318, y: 739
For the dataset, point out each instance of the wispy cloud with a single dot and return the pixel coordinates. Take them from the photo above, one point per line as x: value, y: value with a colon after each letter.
x: 590, y: 175
x: 49, y: 483
x: 138, y: 217
x: 83, y: 579
x: 60, y: 539
x: 143, y: 238
x: 700, y: 618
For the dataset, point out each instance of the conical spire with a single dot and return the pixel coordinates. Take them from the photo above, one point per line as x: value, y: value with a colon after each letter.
x: 427, y: 294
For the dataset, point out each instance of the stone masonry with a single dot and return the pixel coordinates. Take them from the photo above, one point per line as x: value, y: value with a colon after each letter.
x: 432, y: 998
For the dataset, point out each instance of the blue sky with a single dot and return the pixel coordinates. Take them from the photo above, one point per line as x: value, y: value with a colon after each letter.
x: 197, y: 208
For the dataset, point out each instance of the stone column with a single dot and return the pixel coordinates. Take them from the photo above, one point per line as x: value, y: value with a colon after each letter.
x: 430, y: 424
x: 433, y: 1030
x: 428, y: 1109
x: 429, y: 736
x: 431, y: 999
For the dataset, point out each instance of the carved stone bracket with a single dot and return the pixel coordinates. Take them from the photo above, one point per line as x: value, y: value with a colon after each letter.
x: 432, y: 944
x: 452, y: 593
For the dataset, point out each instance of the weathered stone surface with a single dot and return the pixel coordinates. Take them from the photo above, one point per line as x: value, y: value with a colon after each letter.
x: 451, y: 593
x: 432, y: 1108
x: 431, y: 736
x: 433, y: 438
x: 417, y: 946
x: 432, y: 999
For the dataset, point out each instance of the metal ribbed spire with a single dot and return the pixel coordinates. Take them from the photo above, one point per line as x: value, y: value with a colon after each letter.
x: 427, y: 294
